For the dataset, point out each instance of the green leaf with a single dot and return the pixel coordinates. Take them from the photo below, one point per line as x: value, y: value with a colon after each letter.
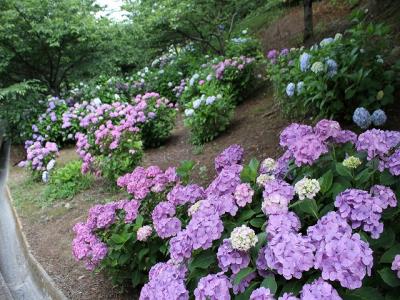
x: 386, y: 239
x: 246, y: 294
x: 257, y: 222
x: 250, y: 172
x: 308, y: 206
x: 136, y: 278
x: 243, y: 273
x: 343, y: 171
x: 246, y: 214
x: 202, y: 261
x: 293, y: 287
x: 142, y: 253
x: 364, y: 293
x: 363, y: 176
x: 389, y: 277
x: 270, y: 283
x: 389, y: 255
x: 325, y: 181
x: 386, y: 178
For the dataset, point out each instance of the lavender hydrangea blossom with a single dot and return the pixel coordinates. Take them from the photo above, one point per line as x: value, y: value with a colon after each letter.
x: 319, y: 290
x: 262, y: 294
x: 230, y: 156
x: 396, y: 265
x: 213, y: 287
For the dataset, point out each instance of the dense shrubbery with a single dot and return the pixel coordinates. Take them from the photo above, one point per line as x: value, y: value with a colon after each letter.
x: 210, y: 114
x: 335, y: 77
x: 112, y: 144
x: 318, y: 222
x: 160, y: 121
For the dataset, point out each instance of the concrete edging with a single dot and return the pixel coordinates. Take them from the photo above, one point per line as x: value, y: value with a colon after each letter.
x: 44, y: 281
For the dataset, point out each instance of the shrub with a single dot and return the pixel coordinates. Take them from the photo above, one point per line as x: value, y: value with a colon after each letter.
x: 243, y: 44
x: 49, y: 125
x: 66, y: 182
x: 112, y: 144
x: 114, y: 235
x: 335, y: 77
x: 210, y: 114
x: 160, y: 121
x: 316, y: 222
x: 40, y: 159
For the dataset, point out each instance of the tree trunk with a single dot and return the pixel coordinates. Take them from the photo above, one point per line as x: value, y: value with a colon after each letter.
x: 308, y: 20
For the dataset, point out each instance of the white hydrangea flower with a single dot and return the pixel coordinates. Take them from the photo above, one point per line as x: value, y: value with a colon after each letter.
x: 195, y: 207
x: 50, y: 164
x: 197, y: 103
x: 117, y: 97
x: 189, y: 112
x: 338, y: 36
x: 45, y: 176
x: 307, y: 188
x: 352, y: 162
x: 317, y: 67
x: 243, y: 238
x: 144, y: 233
x: 269, y: 164
x: 274, y: 203
x: 264, y: 178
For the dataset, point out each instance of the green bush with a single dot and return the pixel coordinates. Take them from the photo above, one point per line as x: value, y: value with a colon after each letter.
x: 161, y: 115
x: 66, y: 182
x: 210, y: 114
x: 334, y: 78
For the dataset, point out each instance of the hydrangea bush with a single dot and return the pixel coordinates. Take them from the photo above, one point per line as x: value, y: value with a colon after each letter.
x: 40, y: 159
x: 112, y: 143
x: 336, y: 76
x: 160, y: 113
x: 209, y: 115
x: 321, y: 224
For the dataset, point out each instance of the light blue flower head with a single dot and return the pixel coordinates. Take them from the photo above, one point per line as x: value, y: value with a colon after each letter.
x: 362, y: 118
x: 305, y: 61
x: 300, y: 86
x: 378, y: 117
x: 332, y: 67
x: 291, y: 87
x: 326, y: 41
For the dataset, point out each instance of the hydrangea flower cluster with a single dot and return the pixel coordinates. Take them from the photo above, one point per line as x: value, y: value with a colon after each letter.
x: 231, y: 155
x: 213, y: 287
x: 364, y: 210
x: 166, y: 282
x: 231, y: 63
x: 363, y: 119
x: 277, y: 196
x: 352, y: 162
x: 307, y: 188
x: 74, y: 115
x: 340, y: 255
x: 243, y: 238
x: 40, y: 158
x: 396, y: 265
x: 230, y: 258
x: 319, y: 289
x: 86, y: 245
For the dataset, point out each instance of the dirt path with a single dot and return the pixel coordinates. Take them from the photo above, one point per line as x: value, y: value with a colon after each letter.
x: 256, y: 127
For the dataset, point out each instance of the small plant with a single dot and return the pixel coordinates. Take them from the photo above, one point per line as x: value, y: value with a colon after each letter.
x: 66, y: 182
x: 209, y: 115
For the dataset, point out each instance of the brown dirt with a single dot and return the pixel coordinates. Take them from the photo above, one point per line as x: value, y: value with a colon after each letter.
x: 256, y: 127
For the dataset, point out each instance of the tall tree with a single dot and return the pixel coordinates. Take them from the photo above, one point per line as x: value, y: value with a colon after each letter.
x: 308, y: 20
x: 205, y: 22
x: 52, y: 41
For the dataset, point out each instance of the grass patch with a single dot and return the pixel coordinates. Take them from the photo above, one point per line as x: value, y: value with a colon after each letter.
x: 66, y: 182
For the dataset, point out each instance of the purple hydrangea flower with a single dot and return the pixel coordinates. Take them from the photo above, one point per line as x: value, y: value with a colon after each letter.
x: 213, y: 287
x: 180, y: 246
x: 393, y: 163
x: 243, y: 194
x: 277, y: 195
x: 243, y: 284
x: 396, y: 265
x: 319, y: 290
x: 262, y: 294
x: 230, y: 156
x: 180, y: 194
x: 229, y: 258
x: 326, y: 129
x: 226, y: 181
x: 374, y: 142
x: 165, y: 283
x: 292, y: 133
x: 282, y: 223
x: 308, y: 149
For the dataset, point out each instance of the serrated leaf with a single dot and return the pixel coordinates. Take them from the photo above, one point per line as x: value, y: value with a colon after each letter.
x: 343, y: 171
x: 325, y: 181
x: 202, y: 261
x: 389, y: 255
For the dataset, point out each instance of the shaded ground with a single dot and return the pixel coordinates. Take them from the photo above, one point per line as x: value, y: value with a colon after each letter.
x: 256, y: 127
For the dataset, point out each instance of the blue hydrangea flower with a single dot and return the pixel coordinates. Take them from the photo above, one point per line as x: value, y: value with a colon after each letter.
x: 326, y: 41
x: 362, y: 118
x: 378, y: 117
x: 300, y: 86
x: 291, y: 87
x: 332, y: 67
x: 305, y: 61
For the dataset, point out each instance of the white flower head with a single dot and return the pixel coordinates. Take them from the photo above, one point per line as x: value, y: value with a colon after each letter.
x: 50, y: 164
x: 195, y: 207
x: 264, y: 178
x: 269, y: 164
x: 45, y: 176
x: 189, y: 112
x: 243, y: 238
x: 307, y: 188
x: 352, y: 162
